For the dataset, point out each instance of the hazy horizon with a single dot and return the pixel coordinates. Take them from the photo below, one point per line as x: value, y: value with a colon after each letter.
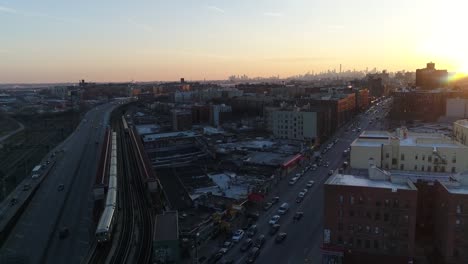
x: 116, y: 41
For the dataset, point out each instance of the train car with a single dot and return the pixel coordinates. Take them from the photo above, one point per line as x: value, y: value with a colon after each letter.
x: 106, y: 223
x: 125, y: 125
x: 111, y: 199
x: 112, y: 182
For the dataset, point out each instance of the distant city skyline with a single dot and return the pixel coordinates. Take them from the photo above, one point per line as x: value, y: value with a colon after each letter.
x: 116, y: 41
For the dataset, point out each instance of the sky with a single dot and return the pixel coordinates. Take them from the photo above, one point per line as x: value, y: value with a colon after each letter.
x: 150, y: 40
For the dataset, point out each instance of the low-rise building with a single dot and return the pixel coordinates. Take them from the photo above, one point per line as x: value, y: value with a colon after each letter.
x: 460, y: 131
x: 292, y: 123
x: 409, y: 151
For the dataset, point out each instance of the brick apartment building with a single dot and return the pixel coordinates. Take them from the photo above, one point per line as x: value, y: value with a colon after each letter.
x: 369, y: 219
x: 396, y: 217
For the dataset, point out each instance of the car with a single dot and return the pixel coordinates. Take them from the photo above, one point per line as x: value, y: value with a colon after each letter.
x: 238, y: 235
x: 314, y: 167
x: 267, y: 206
x: 330, y: 172
x: 274, y: 228
x: 335, y: 141
x: 299, y: 199
x: 280, y: 237
x: 64, y: 232
x: 225, y: 248
x: 48, y: 162
x: 246, y: 245
x: 298, y: 215
x: 260, y: 241
x: 275, y: 199
x: 26, y: 187
x: 324, y: 151
x: 301, y: 195
x: 253, y: 254
x: 305, y: 190
x: 215, y: 257
x: 252, y: 231
x: 293, y: 181
x: 60, y: 187
x: 326, y: 164
x: 310, y: 184
x: 274, y: 220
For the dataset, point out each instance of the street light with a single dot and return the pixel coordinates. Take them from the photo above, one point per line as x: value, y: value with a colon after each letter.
x: 196, y: 247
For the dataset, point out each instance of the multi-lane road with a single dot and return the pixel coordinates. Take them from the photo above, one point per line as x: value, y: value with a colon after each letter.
x: 35, y: 237
x: 304, y: 237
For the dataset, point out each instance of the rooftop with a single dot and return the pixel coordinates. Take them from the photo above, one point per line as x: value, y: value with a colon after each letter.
x: 462, y: 122
x: 405, y: 138
x: 360, y: 181
x: 147, y: 129
x: 166, y: 226
x: 178, y: 134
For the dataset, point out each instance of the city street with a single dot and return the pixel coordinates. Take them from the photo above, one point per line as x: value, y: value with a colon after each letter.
x: 304, y: 237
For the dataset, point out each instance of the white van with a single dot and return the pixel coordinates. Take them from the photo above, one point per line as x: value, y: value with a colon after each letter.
x: 283, y: 208
x: 293, y: 181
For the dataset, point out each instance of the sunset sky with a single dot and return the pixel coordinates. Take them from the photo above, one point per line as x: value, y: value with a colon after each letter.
x: 143, y: 40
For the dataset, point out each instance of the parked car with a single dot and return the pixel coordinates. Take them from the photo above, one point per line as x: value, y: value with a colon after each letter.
x: 298, y: 215
x: 299, y: 199
x: 310, y: 184
x: 246, y: 245
x: 238, y: 235
x: 267, y: 206
x: 301, y: 195
x: 252, y: 231
x: 280, y: 237
x: 253, y: 255
x: 60, y: 187
x: 260, y: 241
x: 283, y: 208
x: 274, y: 228
x: 225, y: 248
x: 275, y: 199
x: 293, y: 180
x: 330, y: 172
x: 274, y: 220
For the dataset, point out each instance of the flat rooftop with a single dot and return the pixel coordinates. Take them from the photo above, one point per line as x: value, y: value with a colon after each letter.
x: 462, y: 122
x: 147, y: 129
x: 166, y: 226
x: 178, y: 134
x: 377, y: 138
x: 361, y: 181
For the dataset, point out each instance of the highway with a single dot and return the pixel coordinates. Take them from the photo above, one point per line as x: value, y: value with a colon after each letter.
x: 304, y: 237
x: 35, y: 237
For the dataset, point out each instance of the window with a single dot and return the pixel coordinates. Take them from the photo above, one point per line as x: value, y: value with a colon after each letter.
x: 442, y: 169
x: 341, y: 199
x: 436, y: 160
x: 405, y: 218
x: 376, y: 244
x: 422, y: 168
x: 351, y: 213
x: 340, y: 240
x: 415, y: 167
x: 416, y: 157
x: 453, y: 169
x: 376, y: 230
x: 402, y: 166
x: 387, y: 202
x: 428, y: 168
x: 361, y: 200
x: 340, y: 213
x: 351, y: 199
x: 402, y: 156
x: 394, y: 161
x: 368, y: 214
x: 368, y: 229
x: 387, y: 155
x: 429, y: 158
x: 395, y: 203
x: 358, y: 242
x: 377, y: 216
x: 350, y: 241
x: 367, y: 243
x: 459, y: 209
x: 385, y: 217
x: 386, y: 165
x: 454, y: 159
x: 340, y: 226
x: 423, y: 157
x: 377, y: 203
